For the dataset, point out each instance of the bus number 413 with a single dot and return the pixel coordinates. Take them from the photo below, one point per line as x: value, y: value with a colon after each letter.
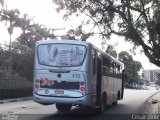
x: 76, y: 75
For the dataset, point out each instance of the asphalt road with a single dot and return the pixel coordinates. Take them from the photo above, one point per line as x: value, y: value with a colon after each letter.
x: 128, y: 108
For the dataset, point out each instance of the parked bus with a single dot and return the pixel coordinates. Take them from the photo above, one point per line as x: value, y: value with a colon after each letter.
x: 76, y: 73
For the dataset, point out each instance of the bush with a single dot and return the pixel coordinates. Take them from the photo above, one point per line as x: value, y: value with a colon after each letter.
x: 12, y: 85
x: 15, y: 93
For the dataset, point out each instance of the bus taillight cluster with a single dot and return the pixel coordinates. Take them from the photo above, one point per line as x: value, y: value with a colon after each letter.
x: 82, y: 86
x: 37, y: 84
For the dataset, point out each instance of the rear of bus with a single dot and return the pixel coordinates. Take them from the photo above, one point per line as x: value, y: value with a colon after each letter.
x: 59, y: 73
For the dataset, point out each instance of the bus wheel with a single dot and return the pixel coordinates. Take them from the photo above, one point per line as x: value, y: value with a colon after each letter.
x: 63, y: 107
x: 116, y: 102
x: 102, y: 107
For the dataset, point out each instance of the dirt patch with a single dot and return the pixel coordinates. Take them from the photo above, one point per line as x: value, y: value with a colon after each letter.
x: 155, y: 98
x: 152, y: 105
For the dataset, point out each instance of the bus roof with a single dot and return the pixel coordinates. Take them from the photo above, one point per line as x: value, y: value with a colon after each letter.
x: 80, y: 42
x: 62, y: 41
x: 108, y: 56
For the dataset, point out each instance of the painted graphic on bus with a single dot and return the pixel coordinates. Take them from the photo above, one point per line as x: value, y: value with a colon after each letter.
x: 61, y: 54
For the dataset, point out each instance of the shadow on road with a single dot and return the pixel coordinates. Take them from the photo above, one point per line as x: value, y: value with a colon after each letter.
x: 88, y: 114
x: 111, y: 113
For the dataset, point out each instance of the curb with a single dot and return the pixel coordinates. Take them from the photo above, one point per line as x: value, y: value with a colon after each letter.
x: 15, y: 100
x: 152, y: 96
x: 150, y: 108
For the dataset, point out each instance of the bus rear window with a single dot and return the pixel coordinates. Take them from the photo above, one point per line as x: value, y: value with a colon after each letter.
x: 61, y: 54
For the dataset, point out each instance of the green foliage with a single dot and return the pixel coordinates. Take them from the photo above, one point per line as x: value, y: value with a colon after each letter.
x: 17, y: 59
x: 12, y: 84
x: 111, y: 51
x: 15, y: 93
x: 114, y: 54
x: 125, y: 57
x: 131, y: 67
x: 10, y: 80
x: 31, y: 31
x: 137, y: 21
x: 22, y: 59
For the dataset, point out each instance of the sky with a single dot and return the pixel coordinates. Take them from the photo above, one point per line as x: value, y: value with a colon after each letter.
x: 44, y: 12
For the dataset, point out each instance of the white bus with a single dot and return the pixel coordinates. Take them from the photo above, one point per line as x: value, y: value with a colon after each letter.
x: 76, y: 73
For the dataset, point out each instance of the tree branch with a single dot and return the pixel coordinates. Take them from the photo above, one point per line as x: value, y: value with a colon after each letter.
x: 96, y: 23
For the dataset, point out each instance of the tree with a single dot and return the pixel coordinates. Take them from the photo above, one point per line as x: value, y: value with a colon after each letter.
x: 131, y: 67
x: 4, y: 55
x: 136, y: 20
x: 111, y: 51
x: 19, y: 58
x: 24, y: 65
x: 2, y: 2
x: 31, y: 31
x: 10, y: 16
x: 114, y: 54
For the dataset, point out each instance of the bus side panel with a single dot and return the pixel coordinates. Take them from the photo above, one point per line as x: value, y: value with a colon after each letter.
x: 111, y: 86
x: 107, y: 87
x: 90, y: 77
x: 98, y: 82
x: 123, y: 79
x: 117, y: 88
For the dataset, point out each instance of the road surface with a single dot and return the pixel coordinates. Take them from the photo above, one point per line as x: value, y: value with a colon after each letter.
x: 132, y: 103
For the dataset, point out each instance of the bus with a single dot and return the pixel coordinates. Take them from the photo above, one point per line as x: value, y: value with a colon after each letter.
x: 76, y: 73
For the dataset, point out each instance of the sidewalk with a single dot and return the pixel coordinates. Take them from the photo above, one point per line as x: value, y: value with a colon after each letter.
x: 15, y: 100
x: 152, y: 105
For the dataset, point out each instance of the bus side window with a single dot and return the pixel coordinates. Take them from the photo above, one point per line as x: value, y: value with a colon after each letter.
x: 106, y: 66
x: 118, y: 71
x: 112, y: 70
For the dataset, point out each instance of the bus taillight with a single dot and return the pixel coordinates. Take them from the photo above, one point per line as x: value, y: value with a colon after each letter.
x: 37, y: 81
x: 82, y: 83
x: 37, y: 86
x: 82, y: 88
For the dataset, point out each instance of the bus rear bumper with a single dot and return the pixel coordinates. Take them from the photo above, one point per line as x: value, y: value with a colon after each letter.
x: 84, y: 100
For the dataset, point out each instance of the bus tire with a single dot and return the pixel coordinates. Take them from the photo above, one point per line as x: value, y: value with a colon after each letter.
x: 102, y: 107
x: 122, y: 93
x: 63, y: 107
x: 116, y: 102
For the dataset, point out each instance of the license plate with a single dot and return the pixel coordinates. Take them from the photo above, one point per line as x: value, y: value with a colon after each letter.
x: 59, y: 91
